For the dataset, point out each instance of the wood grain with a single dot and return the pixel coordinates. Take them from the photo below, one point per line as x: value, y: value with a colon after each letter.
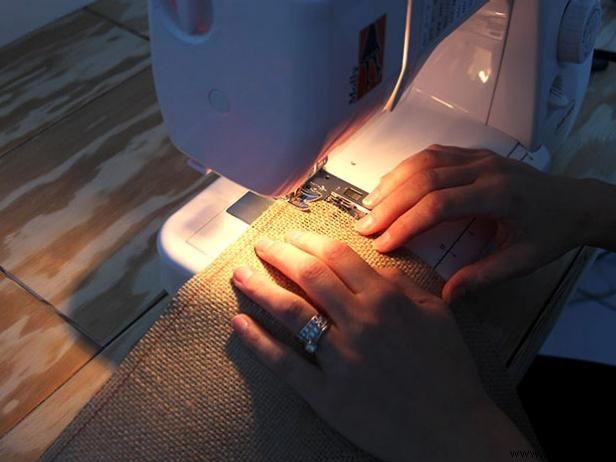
x: 60, y: 68
x: 80, y: 207
x: 38, y: 352
x: 132, y: 14
x: 29, y: 439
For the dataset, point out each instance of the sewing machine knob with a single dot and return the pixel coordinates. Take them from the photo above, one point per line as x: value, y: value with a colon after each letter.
x: 578, y: 31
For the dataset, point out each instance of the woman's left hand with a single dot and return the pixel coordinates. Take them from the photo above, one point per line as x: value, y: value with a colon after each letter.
x: 392, y: 373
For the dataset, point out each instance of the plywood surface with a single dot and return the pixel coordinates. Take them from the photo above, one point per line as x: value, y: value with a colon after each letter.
x: 80, y: 207
x: 28, y: 440
x: 39, y: 351
x: 60, y: 68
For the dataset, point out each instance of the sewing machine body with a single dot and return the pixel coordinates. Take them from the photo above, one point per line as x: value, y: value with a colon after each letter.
x: 503, y: 80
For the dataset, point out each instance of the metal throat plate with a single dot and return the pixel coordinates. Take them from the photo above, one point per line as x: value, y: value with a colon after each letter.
x: 330, y: 188
x: 322, y: 186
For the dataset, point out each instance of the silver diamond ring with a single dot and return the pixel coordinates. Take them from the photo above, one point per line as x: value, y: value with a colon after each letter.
x: 312, y: 331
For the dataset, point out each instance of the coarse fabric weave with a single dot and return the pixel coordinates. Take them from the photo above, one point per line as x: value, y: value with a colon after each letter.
x: 190, y: 390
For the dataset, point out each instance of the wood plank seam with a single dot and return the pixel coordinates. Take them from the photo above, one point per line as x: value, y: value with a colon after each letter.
x: 39, y: 351
x: 42, y: 130
x: 28, y: 440
x: 53, y: 391
x: 116, y: 23
x: 114, y: 177
x: 47, y: 303
x: 100, y: 353
x: 155, y: 301
x: 38, y: 131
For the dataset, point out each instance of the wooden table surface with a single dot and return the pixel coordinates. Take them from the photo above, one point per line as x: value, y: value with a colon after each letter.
x: 87, y: 176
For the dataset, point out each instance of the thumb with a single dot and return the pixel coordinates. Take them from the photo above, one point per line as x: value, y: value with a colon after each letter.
x: 501, y: 265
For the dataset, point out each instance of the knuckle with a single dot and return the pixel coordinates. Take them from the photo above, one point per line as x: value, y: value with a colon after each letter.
x: 430, y: 159
x: 311, y: 270
x: 427, y: 157
x: 429, y: 179
x: 292, y: 310
x: 437, y: 204
x: 334, y: 250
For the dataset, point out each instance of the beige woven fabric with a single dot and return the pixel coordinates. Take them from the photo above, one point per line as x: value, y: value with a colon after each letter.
x: 191, y: 391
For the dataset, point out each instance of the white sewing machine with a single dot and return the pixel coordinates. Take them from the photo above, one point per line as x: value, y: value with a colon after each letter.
x: 263, y: 92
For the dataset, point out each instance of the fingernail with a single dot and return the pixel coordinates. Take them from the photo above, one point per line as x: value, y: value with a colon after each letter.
x: 294, y: 235
x: 241, y: 275
x: 364, y: 224
x: 264, y: 244
x: 372, y: 198
x: 382, y: 240
x: 239, y: 324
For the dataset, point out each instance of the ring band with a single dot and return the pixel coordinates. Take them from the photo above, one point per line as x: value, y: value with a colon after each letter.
x: 312, y: 332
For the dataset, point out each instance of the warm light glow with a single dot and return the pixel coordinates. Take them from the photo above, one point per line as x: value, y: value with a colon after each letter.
x: 442, y: 101
x: 480, y: 66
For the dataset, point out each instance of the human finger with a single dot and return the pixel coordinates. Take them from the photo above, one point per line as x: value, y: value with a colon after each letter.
x: 498, y: 266
x: 304, y: 377
x: 401, y: 280
x: 409, y: 193
x: 434, y: 156
x: 319, y: 282
x: 433, y: 209
x: 290, y: 309
x: 353, y: 270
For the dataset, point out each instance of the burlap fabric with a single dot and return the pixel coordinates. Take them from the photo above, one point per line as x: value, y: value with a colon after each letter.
x: 191, y: 391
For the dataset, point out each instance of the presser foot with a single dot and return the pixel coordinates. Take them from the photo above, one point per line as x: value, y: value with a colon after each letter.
x: 330, y: 188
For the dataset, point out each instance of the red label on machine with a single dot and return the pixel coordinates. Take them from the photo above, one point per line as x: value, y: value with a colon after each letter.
x: 371, y: 57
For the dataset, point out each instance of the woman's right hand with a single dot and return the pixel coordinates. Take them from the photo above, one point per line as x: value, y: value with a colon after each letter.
x: 538, y: 217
